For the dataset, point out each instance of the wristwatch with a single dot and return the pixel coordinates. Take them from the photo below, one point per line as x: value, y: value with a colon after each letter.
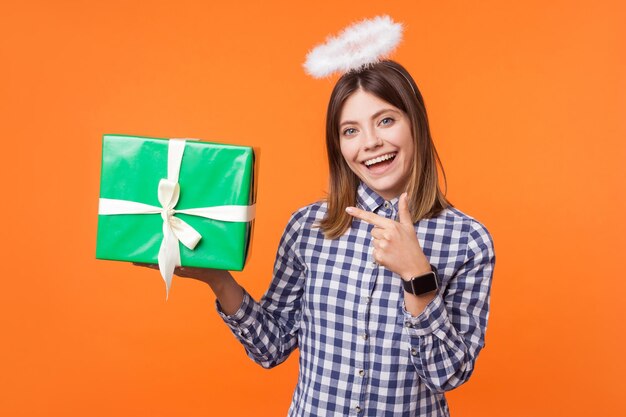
x: 422, y: 284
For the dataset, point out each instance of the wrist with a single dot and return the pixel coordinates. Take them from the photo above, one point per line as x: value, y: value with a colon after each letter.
x: 422, y: 284
x: 217, y: 279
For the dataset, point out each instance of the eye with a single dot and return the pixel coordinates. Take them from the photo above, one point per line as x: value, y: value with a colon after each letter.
x: 349, y: 131
x: 387, y: 121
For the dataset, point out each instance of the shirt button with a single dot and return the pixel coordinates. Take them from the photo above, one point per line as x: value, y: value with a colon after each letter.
x: 361, y: 372
x: 357, y: 409
x: 387, y: 204
x: 408, y: 324
x: 364, y: 336
x: 413, y: 351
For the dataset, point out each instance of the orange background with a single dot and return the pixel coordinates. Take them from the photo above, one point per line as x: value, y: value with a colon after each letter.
x: 526, y: 101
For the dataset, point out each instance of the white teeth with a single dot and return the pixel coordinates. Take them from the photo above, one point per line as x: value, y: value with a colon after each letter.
x: 379, y: 159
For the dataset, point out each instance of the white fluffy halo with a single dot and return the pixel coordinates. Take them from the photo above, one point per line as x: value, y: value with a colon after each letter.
x: 356, y: 47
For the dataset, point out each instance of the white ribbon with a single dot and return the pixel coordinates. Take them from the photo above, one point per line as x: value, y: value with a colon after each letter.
x: 174, y: 229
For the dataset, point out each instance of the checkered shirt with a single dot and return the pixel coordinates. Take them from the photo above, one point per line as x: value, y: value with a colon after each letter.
x: 361, y: 352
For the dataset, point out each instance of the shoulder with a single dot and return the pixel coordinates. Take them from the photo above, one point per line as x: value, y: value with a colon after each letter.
x: 305, y: 218
x: 301, y: 229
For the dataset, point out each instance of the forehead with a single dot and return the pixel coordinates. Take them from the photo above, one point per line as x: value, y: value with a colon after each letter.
x: 362, y: 105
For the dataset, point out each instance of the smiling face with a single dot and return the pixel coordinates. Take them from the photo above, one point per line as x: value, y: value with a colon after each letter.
x: 376, y: 143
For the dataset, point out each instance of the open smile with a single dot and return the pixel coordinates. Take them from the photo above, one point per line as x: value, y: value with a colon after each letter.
x: 379, y: 159
x: 380, y: 164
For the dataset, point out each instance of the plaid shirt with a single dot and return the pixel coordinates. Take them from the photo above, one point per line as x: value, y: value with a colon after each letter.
x: 361, y: 352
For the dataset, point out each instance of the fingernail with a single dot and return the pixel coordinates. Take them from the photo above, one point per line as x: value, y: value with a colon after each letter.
x: 350, y: 210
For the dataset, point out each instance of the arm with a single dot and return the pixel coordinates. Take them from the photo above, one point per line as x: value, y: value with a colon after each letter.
x: 447, y: 328
x: 448, y: 335
x: 268, y: 329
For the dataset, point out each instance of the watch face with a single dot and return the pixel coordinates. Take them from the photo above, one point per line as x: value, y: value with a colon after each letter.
x: 422, y: 285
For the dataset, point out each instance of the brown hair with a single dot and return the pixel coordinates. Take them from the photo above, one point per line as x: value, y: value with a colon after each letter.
x: 390, y: 82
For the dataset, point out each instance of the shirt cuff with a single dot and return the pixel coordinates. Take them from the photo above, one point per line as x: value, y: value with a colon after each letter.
x: 243, y: 318
x: 432, y: 318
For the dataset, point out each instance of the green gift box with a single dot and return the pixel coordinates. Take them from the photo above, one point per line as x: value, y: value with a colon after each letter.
x: 152, y: 189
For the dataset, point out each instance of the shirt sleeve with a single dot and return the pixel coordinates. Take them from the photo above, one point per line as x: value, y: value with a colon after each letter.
x: 448, y: 335
x: 268, y: 329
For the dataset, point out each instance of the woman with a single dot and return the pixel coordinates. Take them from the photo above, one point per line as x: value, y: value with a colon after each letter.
x: 384, y: 287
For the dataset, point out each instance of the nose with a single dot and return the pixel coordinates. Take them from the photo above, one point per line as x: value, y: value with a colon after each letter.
x: 371, y: 140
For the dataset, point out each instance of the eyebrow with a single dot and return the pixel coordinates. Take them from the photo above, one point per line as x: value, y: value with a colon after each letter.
x: 374, y: 116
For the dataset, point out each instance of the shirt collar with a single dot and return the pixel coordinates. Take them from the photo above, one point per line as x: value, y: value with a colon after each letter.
x: 369, y: 200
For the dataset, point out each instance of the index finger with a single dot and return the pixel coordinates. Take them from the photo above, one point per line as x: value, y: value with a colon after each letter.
x: 369, y: 217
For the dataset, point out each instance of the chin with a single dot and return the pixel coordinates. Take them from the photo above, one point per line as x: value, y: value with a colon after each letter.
x: 388, y: 191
